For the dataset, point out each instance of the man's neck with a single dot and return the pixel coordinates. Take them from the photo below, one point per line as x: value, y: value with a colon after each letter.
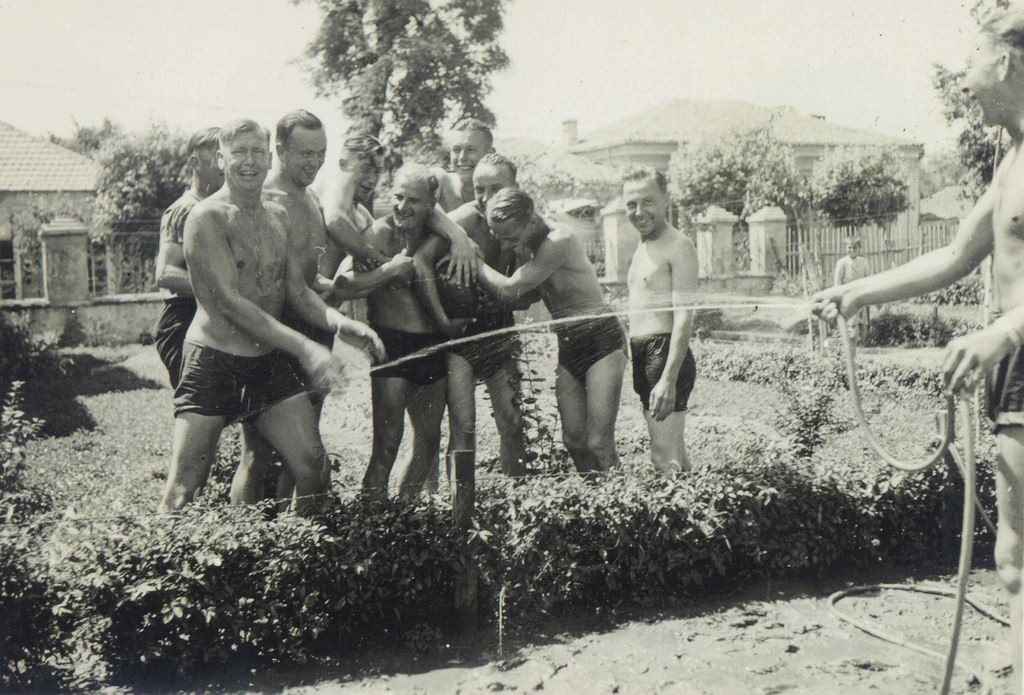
x: 278, y: 181
x: 247, y: 202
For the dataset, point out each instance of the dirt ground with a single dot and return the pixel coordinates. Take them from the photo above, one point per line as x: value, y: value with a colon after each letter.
x: 771, y: 638
x: 777, y: 638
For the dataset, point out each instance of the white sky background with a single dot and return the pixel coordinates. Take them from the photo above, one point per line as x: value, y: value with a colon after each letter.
x: 192, y: 63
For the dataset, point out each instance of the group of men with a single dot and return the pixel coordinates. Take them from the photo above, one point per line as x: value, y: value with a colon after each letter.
x: 256, y: 266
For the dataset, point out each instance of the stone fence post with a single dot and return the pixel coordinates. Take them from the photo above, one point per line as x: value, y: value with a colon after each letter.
x: 767, y: 239
x: 620, y: 241
x: 65, y: 252
x: 714, y: 244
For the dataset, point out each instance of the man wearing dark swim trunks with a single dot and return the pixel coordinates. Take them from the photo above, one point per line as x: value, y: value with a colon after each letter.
x: 491, y: 359
x: 412, y: 385
x: 592, y: 349
x: 244, y: 266
x: 662, y: 275
x: 171, y: 272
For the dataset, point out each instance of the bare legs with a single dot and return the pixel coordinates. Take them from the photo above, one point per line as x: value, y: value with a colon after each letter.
x: 1009, y: 550
x: 668, y: 449
x: 588, y: 411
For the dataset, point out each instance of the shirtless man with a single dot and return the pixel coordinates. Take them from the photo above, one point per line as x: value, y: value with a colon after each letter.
x: 244, y: 266
x: 662, y: 274
x: 171, y: 272
x: 995, y: 78
x: 468, y: 141
x: 395, y: 313
x: 591, y: 350
x: 491, y: 359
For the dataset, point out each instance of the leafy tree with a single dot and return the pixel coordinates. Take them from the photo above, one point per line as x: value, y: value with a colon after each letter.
x: 404, y: 66
x: 741, y: 172
x: 141, y: 174
x: 939, y: 170
x: 88, y: 140
x: 851, y: 187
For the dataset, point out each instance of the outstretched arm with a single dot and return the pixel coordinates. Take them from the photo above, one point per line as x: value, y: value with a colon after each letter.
x: 349, y: 284
x: 426, y: 286
x: 350, y: 240
x: 924, y: 274
x: 527, y: 277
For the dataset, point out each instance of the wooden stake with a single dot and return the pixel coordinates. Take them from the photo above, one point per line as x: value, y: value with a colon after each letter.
x: 463, y: 507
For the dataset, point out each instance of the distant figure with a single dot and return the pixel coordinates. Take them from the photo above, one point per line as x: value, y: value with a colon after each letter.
x: 662, y: 274
x: 416, y: 386
x: 995, y: 226
x: 591, y: 349
x: 468, y: 141
x: 490, y: 359
x: 244, y: 266
x: 853, y: 266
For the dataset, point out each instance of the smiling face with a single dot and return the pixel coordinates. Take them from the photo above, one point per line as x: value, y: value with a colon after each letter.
x: 302, y: 155
x: 488, y: 179
x: 646, y: 206
x: 467, y: 147
x: 245, y: 160
x: 412, y: 202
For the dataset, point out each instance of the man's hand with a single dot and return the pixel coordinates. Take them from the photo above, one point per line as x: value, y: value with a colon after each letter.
x: 663, y: 399
x: 463, y: 261
x: 325, y: 371
x: 454, y: 328
x: 969, y: 357
x: 401, y: 267
x: 829, y: 303
x: 362, y: 336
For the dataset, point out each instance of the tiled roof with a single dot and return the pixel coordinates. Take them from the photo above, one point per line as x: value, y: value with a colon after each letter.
x: 29, y: 163
x: 553, y: 158
x: 688, y: 120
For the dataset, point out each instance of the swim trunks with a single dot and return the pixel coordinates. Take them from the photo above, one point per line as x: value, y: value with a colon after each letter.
x: 421, y: 371
x: 489, y: 354
x: 1005, y: 386
x: 234, y: 387
x: 169, y: 333
x: 650, y: 352
x: 581, y: 344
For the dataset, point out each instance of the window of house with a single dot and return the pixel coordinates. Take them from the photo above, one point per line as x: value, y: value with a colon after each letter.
x: 8, y: 288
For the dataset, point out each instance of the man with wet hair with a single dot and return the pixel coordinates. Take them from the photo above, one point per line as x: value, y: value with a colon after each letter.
x: 995, y: 78
x: 244, y: 266
x: 405, y: 384
x: 591, y: 343
x: 662, y: 275
x: 490, y: 359
x: 468, y: 140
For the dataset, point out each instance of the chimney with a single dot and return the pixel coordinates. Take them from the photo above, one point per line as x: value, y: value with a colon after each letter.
x: 570, y: 132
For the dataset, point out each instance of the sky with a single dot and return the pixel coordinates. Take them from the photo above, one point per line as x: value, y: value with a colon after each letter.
x: 867, y: 64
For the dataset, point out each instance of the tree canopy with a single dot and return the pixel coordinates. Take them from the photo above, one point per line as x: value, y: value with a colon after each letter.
x: 748, y: 170
x: 402, y: 67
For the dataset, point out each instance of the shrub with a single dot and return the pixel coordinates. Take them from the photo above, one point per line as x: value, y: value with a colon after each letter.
x: 903, y: 330
x: 968, y: 291
x: 22, y: 357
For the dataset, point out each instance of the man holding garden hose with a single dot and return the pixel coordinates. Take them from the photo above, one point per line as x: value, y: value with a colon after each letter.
x: 995, y: 77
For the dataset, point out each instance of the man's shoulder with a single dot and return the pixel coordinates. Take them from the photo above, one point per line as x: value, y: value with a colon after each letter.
x: 467, y: 214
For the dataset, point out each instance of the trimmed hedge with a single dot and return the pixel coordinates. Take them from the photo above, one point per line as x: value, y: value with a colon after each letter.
x: 152, y: 598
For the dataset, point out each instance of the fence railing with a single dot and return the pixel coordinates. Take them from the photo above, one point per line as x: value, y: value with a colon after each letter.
x: 818, y: 248
x: 123, y: 263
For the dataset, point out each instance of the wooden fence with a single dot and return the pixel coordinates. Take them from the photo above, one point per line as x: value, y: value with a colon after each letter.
x: 818, y: 248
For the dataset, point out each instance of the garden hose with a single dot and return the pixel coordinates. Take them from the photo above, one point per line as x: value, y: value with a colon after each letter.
x: 967, y: 469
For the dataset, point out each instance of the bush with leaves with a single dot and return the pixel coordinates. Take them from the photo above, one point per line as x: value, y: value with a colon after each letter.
x: 912, y: 331
x: 968, y: 291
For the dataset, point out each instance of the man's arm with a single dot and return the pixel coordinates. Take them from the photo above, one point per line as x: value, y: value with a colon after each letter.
x: 464, y: 253
x: 923, y: 274
x: 682, y: 265
x: 171, y: 272
x: 527, y: 277
x: 350, y: 240
x: 349, y: 284
x: 309, y: 306
x: 426, y: 285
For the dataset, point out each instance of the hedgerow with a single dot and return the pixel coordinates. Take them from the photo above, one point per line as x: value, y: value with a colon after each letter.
x: 137, y: 598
